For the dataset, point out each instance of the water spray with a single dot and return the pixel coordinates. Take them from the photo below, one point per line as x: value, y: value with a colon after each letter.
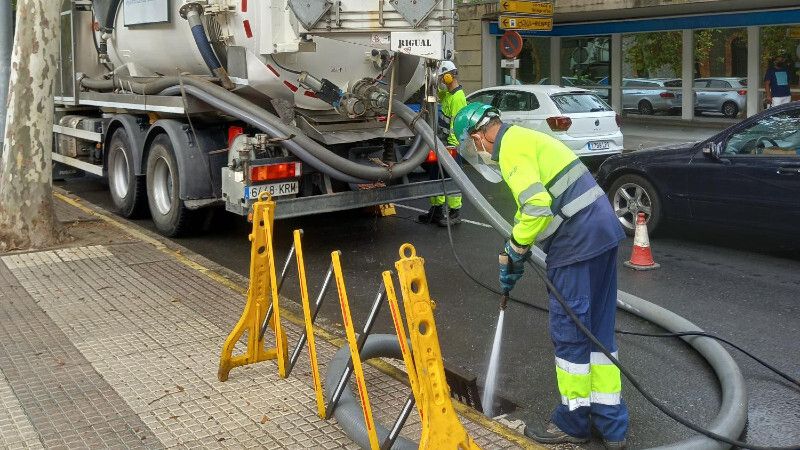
x: 494, y: 361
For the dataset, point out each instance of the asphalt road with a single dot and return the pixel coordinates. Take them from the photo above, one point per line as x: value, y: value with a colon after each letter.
x: 740, y: 287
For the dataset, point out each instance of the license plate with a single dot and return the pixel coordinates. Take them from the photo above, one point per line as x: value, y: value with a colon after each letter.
x: 600, y: 145
x: 274, y: 189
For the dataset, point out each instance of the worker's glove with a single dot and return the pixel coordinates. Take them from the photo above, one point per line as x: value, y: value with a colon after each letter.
x: 510, y: 272
x: 517, y: 252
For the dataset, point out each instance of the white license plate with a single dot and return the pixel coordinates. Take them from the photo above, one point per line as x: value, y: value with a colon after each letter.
x: 600, y: 145
x: 274, y: 189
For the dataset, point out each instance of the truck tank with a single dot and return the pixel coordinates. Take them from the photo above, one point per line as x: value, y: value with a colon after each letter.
x: 266, y: 44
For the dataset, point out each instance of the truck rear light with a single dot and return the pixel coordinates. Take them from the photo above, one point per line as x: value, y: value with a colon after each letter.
x: 432, y: 158
x: 233, y: 132
x: 618, y: 118
x: 742, y: 92
x: 275, y: 171
x: 560, y: 123
x: 666, y: 95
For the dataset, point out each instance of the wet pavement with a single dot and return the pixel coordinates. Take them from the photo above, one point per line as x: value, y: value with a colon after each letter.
x: 742, y: 288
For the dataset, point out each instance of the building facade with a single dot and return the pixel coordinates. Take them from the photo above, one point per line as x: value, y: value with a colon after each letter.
x: 684, y: 58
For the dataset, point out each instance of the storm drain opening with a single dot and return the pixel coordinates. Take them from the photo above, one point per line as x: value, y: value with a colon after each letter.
x: 464, y: 388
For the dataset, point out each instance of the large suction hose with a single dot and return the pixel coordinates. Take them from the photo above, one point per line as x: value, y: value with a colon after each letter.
x: 348, y: 411
x: 732, y: 416
x: 352, y: 169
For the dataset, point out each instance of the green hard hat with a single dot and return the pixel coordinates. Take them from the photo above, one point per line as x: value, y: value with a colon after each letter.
x: 470, y: 117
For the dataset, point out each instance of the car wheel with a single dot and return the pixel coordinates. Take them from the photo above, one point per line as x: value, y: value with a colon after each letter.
x: 632, y: 194
x: 730, y: 109
x: 127, y: 190
x: 646, y: 108
x: 168, y: 211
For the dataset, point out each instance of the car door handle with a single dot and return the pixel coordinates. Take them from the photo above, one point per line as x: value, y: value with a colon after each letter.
x: 789, y: 170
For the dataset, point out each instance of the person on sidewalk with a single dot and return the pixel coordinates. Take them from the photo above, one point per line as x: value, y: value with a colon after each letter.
x: 776, y: 82
x: 452, y: 99
x: 563, y: 210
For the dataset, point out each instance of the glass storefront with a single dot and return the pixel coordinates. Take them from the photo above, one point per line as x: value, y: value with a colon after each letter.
x: 780, y: 51
x: 586, y: 63
x: 534, y: 63
x: 720, y: 72
x: 651, y: 73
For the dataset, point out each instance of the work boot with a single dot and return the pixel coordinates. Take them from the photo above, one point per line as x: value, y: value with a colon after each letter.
x: 432, y: 216
x: 453, y: 217
x: 615, y: 445
x: 549, y: 433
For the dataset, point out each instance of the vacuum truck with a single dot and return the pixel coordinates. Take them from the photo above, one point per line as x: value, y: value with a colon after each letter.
x: 186, y: 106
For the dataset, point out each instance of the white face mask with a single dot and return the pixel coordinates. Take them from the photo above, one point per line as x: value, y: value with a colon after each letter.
x: 481, y: 159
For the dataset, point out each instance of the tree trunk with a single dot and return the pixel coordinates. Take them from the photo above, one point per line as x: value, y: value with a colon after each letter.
x: 6, y: 38
x: 27, y: 219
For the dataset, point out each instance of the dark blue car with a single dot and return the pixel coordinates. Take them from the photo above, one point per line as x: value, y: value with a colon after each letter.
x: 746, y: 177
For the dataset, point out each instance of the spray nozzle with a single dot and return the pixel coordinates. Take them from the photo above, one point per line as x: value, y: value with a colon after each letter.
x: 504, y: 301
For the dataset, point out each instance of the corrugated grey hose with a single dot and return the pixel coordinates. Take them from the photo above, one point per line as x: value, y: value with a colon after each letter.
x: 353, y: 171
x: 348, y: 411
x: 732, y: 416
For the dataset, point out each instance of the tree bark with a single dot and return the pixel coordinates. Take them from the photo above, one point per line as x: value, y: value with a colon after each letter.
x: 27, y: 218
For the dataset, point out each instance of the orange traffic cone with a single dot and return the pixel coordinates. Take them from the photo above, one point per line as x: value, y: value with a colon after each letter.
x: 641, y: 257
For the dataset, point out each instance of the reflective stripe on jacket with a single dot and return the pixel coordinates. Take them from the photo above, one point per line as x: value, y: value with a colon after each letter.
x: 452, y: 102
x: 549, y: 182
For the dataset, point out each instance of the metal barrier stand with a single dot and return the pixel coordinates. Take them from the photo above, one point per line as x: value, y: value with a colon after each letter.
x: 309, y: 323
x: 261, y: 289
x: 441, y: 427
x: 355, y: 348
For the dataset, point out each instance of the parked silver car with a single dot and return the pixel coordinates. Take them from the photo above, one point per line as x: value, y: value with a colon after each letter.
x: 729, y: 102
x: 651, y: 95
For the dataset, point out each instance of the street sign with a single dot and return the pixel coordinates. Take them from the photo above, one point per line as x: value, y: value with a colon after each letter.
x: 511, y: 44
x: 525, y: 7
x: 526, y: 23
x: 509, y: 64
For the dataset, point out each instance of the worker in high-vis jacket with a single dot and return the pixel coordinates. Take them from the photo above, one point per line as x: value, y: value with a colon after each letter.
x: 452, y: 99
x: 562, y: 210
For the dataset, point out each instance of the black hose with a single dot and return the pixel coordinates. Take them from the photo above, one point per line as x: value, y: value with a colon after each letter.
x: 200, y: 39
x: 326, y: 157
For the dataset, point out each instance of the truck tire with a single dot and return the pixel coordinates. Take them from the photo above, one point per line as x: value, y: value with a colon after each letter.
x: 168, y: 211
x: 127, y: 189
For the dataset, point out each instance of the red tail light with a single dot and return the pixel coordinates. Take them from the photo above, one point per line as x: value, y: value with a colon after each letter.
x: 559, y: 123
x: 742, y: 92
x: 618, y: 118
x: 432, y: 158
x: 233, y: 132
x: 666, y: 95
x: 275, y: 171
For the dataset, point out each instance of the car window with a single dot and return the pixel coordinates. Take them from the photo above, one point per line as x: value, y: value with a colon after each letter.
x: 579, y: 103
x: 718, y: 84
x: 743, y: 82
x: 700, y: 83
x: 774, y: 135
x: 483, y: 97
x: 515, y: 101
x: 673, y: 83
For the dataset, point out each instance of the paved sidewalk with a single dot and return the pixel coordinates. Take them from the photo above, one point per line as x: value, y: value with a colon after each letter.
x: 114, y: 341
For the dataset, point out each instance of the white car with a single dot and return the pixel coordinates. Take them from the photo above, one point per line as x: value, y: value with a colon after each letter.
x: 577, y: 117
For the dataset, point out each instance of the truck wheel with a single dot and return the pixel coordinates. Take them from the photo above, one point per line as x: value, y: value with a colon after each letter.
x: 127, y: 189
x: 631, y: 194
x: 168, y: 211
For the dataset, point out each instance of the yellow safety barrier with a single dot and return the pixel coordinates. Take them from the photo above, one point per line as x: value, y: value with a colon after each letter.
x: 312, y: 349
x: 262, y: 289
x: 441, y: 427
x: 355, y: 357
x: 397, y: 319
